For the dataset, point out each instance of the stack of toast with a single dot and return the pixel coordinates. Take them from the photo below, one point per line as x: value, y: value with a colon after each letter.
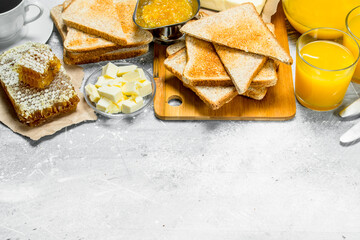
x: 99, y: 30
x: 227, y: 54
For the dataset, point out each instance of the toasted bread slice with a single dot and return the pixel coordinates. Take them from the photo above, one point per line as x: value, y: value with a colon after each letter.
x: 78, y: 41
x: 267, y: 77
x: 203, y: 66
x: 241, y: 28
x: 135, y: 36
x: 55, y: 14
x: 74, y: 39
x: 241, y: 66
x: 122, y: 53
x: 96, y: 17
x: 170, y: 50
x: 214, y: 97
x: 67, y: 3
x: 95, y: 55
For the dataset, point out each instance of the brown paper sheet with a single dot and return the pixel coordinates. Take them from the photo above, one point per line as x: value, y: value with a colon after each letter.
x: 83, y: 112
x: 269, y: 10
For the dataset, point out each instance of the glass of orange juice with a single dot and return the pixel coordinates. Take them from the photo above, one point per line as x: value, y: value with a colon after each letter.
x: 324, y: 67
x: 353, y: 27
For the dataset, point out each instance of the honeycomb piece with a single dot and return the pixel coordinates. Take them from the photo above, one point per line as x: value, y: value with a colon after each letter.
x: 38, y: 66
x: 33, y: 105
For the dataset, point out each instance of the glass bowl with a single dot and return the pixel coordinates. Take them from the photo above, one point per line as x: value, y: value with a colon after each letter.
x: 147, y: 99
x: 168, y: 33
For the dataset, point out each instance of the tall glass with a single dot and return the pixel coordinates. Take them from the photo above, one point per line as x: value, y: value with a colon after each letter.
x: 353, y: 27
x: 324, y: 67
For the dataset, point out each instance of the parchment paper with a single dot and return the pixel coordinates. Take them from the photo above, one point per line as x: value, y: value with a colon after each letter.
x: 83, y: 112
x: 269, y: 10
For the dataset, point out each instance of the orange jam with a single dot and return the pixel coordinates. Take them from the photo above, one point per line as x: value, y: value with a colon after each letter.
x: 158, y: 13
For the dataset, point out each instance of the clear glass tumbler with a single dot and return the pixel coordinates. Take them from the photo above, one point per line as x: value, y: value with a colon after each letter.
x: 324, y: 67
x: 353, y: 27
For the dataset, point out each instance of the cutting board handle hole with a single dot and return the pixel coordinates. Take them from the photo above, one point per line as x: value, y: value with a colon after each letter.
x: 175, y: 101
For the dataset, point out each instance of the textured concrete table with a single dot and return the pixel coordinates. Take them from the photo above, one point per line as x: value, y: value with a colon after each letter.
x: 150, y: 179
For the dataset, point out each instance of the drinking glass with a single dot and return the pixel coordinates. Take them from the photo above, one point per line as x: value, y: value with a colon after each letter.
x: 324, y: 67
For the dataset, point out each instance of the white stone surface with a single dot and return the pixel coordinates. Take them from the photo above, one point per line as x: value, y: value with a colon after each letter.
x: 149, y: 179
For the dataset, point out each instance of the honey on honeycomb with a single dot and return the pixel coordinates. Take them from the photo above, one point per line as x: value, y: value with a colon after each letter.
x: 34, y: 105
x: 38, y: 66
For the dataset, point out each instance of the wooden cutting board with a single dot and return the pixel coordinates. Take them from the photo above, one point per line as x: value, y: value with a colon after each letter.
x: 278, y: 104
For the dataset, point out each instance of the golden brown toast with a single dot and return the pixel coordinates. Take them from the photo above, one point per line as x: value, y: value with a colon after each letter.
x: 203, y: 66
x: 101, y: 54
x: 55, y: 14
x: 267, y: 76
x: 123, y: 53
x: 240, y: 28
x: 173, y: 48
x: 78, y: 41
x: 96, y: 17
x: 242, y: 66
x: 214, y: 97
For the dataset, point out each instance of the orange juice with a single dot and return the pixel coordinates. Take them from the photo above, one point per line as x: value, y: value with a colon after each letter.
x: 354, y: 29
x: 306, y: 14
x: 323, y: 74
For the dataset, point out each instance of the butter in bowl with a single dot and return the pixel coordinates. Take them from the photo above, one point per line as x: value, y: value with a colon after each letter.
x: 164, y: 18
x: 119, y: 90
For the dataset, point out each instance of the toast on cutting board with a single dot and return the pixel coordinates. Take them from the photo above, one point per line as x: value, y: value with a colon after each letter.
x: 96, y: 17
x: 173, y: 48
x: 214, y: 97
x: 266, y: 77
x: 244, y: 67
x: 240, y: 28
x: 203, y: 66
x: 241, y: 66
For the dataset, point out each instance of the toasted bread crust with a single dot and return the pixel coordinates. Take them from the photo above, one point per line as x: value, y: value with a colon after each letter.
x: 98, y: 54
x: 78, y: 41
x: 256, y: 93
x: 55, y: 14
x: 114, y: 55
x: 214, y: 97
x: 266, y: 77
x: 174, y: 48
x: 241, y: 28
